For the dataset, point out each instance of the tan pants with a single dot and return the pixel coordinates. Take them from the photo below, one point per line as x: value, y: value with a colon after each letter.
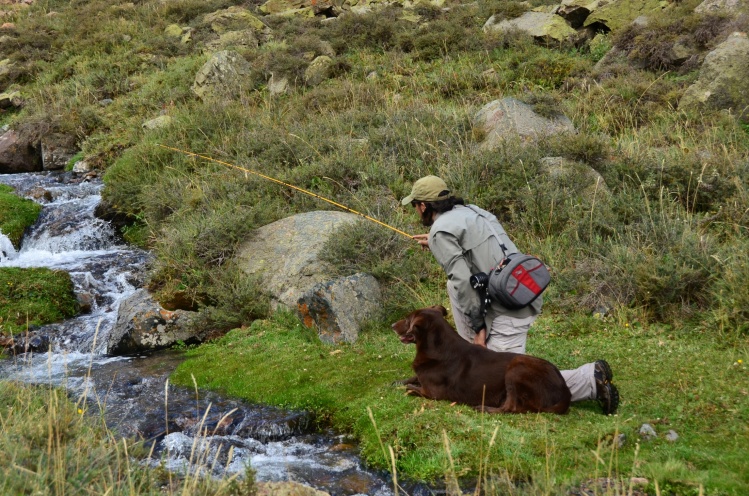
x: 509, y: 334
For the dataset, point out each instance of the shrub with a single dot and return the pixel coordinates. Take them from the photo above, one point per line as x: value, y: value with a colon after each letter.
x: 443, y: 38
x: 590, y: 148
x: 184, y: 11
x: 730, y: 293
x: 376, y: 31
x: 661, y: 265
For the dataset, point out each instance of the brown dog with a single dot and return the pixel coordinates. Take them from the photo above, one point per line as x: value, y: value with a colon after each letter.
x: 450, y: 368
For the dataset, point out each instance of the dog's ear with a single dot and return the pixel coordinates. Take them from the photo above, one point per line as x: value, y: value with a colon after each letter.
x: 442, y: 309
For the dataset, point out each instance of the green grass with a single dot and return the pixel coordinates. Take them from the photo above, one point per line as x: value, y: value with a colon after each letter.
x: 33, y: 297
x: 16, y: 214
x: 672, y: 379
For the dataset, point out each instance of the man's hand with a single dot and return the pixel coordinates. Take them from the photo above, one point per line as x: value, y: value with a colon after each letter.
x: 480, y: 338
x: 423, y: 240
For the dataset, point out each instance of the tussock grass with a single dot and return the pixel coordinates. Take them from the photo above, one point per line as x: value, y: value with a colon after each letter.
x: 33, y: 297
x: 16, y: 214
x: 50, y: 445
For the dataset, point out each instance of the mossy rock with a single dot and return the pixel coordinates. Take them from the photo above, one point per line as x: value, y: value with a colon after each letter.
x: 722, y: 81
x: 620, y: 13
x: 233, y: 19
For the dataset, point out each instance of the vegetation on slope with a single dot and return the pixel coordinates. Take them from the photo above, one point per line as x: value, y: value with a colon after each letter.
x: 665, y: 252
x: 664, y: 245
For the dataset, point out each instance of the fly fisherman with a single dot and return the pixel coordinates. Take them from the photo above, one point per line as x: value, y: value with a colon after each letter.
x: 463, y: 244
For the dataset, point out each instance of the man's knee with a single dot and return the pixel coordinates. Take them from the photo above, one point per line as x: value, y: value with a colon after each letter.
x: 503, y: 349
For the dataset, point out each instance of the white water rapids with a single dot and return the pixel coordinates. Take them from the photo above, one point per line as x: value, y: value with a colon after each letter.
x: 279, y: 445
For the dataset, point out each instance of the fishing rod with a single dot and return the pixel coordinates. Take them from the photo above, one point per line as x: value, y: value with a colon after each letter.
x: 277, y: 181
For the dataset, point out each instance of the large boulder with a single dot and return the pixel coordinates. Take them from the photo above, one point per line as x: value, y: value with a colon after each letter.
x: 234, y: 19
x: 338, y: 308
x: 18, y: 154
x: 618, y: 14
x: 142, y: 324
x: 722, y: 80
x: 11, y: 99
x: 285, y: 255
x: 511, y: 118
x: 245, y: 39
x: 318, y: 70
x: 281, y: 6
x: 543, y: 26
x: 222, y: 76
x: 720, y: 7
x: 57, y: 150
x: 576, y: 11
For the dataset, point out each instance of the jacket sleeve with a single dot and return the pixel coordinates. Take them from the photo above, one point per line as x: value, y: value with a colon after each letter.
x: 446, y: 249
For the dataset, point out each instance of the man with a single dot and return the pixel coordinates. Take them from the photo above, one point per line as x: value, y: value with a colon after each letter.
x: 462, y: 240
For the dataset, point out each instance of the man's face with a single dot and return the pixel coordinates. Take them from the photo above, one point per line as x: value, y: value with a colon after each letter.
x: 421, y: 209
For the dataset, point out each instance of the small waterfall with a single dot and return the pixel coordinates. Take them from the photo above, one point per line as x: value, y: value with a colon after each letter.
x: 7, y: 251
x: 68, y: 236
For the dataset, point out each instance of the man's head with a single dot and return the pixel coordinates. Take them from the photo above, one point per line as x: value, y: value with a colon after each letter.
x: 427, y: 189
x: 430, y: 196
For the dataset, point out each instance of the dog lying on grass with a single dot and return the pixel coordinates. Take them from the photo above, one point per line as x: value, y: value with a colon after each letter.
x: 450, y: 368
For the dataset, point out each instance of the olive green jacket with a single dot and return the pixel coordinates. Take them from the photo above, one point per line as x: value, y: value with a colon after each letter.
x: 464, y: 244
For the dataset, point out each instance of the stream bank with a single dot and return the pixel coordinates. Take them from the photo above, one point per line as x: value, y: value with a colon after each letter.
x: 133, y: 392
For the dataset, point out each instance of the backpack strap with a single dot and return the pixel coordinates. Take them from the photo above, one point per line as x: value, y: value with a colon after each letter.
x: 491, y: 228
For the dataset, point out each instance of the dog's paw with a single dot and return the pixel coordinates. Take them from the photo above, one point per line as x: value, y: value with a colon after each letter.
x: 405, y: 382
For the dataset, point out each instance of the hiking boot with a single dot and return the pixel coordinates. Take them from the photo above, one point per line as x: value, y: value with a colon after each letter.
x: 603, y: 373
x: 608, y: 396
x: 606, y: 393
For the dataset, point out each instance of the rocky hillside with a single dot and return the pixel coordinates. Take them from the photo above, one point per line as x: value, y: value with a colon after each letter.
x: 610, y: 137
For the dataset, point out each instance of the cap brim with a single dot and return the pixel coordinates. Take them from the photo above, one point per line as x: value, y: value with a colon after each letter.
x: 407, y: 199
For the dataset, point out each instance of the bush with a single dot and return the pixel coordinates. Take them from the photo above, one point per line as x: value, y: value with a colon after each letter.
x: 730, y: 293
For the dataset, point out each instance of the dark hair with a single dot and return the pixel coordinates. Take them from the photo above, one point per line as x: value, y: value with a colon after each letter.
x: 439, y: 207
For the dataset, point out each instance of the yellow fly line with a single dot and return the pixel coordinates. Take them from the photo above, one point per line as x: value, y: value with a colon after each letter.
x: 344, y: 207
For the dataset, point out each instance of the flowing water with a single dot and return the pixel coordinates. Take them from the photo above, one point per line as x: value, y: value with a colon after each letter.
x: 133, y: 392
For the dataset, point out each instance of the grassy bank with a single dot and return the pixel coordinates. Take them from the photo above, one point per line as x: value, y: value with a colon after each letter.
x: 50, y: 446
x: 682, y: 381
x: 16, y: 214
x: 34, y: 297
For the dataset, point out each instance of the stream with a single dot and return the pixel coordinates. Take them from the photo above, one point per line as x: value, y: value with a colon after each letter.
x: 133, y: 392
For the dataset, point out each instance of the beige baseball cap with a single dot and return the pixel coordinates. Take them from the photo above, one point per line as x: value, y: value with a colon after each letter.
x: 428, y: 188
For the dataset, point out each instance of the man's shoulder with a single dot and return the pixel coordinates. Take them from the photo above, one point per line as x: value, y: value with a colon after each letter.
x: 453, y: 220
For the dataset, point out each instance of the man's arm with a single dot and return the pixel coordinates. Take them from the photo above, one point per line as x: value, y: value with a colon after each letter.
x: 449, y: 254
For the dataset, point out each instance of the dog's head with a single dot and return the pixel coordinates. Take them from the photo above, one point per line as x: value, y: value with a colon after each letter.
x: 408, y: 329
